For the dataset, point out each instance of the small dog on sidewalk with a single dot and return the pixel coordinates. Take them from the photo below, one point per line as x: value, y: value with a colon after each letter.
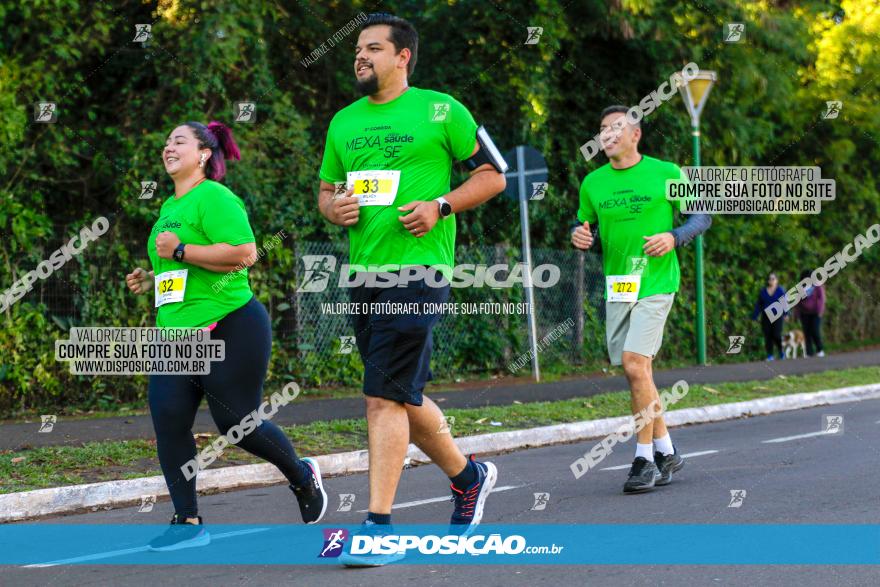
x: 792, y: 341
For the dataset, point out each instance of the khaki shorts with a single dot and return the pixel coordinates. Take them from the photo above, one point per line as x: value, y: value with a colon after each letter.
x: 636, y: 327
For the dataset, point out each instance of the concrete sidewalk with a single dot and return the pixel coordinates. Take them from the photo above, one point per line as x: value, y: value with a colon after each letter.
x: 15, y: 436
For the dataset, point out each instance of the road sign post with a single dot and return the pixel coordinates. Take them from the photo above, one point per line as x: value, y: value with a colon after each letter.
x: 694, y: 93
x: 526, y: 163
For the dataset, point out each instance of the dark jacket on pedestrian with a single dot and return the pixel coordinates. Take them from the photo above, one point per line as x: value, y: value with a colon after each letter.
x: 765, y: 299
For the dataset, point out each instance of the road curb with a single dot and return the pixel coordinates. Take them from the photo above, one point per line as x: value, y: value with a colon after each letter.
x: 57, y: 500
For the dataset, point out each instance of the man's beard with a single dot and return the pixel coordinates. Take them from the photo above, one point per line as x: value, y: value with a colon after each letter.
x: 369, y: 86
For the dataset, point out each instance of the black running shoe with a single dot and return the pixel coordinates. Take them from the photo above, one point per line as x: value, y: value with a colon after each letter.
x: 374, y: 530
x: 311, y: 496
x: 180, y: 535
x: 469, y: 503
x: 642, y: 476
x: 667, y: 465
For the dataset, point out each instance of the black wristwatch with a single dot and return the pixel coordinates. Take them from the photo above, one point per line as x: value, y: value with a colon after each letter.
x: 178, y: 253
x: 445, y: 207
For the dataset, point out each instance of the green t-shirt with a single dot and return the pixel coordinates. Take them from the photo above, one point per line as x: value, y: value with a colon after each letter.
x: 630, y: 204
x: 207, y: 214
x: 420, y: 133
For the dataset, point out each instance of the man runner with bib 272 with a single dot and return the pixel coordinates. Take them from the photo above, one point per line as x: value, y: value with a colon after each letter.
x: 626, y: 200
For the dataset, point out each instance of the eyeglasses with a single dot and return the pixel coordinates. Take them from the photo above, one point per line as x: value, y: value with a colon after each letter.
x: 617, y: 126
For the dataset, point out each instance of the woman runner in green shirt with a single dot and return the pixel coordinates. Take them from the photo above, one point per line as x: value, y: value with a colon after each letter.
x: 202, y: 239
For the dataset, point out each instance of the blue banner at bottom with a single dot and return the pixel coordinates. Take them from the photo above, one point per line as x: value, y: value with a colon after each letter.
x: 521, y: 544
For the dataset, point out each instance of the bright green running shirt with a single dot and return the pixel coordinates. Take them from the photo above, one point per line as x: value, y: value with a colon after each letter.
x: 207, y: 214
x: 630, y: 204
x: 420, y: 133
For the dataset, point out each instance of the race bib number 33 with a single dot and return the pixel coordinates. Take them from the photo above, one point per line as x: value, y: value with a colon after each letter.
x: 623, y: 288
x: 374, y: 188
x: 170, y: 287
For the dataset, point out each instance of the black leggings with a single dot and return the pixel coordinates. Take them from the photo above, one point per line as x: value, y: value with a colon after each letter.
x: 234, y: 388
x: 812, y: 325
x: 772, y: 334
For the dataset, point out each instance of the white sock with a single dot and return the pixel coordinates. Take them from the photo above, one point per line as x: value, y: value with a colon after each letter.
x: 664, y: 445
x: 645, y: 451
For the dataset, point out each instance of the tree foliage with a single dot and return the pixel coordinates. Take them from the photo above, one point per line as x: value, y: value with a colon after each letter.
x: 117, y: 100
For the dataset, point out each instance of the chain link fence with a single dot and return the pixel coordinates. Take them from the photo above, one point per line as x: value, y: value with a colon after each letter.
x: 315, y: 347
x: 479, y: 338
x: 572, y: 309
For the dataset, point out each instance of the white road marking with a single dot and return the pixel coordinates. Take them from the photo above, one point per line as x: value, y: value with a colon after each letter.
x: 684, y: 456
x: 114, y: 553
x: 799, y: 436
x: 410, y: 504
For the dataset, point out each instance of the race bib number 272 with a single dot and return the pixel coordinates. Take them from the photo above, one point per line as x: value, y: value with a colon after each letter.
x: 623, y: 288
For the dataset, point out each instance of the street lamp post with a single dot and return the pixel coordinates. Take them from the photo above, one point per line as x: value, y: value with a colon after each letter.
x: 694, y: 92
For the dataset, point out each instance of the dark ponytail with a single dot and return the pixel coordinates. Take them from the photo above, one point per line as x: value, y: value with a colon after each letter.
x: 217, y: 137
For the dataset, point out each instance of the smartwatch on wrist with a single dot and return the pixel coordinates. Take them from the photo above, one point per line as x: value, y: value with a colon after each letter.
x: 445, y: 207
x: 178, y: 253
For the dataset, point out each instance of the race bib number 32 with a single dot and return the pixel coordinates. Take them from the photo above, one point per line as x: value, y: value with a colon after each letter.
x: 170, y: 287
x: 623, y: 288
x: 374, y: 188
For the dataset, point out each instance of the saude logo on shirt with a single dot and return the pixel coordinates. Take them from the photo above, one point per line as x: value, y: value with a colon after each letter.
x: 164, y: 224
x: 637, y: 202
x: 634, y: 202
x: 389, y: 145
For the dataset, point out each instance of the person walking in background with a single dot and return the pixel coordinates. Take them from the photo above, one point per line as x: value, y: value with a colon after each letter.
x: 810, y: 311
x: 772, y: 330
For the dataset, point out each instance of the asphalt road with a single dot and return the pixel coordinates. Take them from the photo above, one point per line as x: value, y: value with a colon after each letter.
x: 814, y: 479
x: 17, y: 435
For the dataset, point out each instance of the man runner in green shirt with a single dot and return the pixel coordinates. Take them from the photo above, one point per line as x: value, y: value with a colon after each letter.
x: 391, y: 154
x: 627, y: 198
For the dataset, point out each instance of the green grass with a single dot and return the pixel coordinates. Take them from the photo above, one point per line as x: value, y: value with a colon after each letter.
x: 101, y: 461
x: 607, y: 405
x: 551, y: 371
